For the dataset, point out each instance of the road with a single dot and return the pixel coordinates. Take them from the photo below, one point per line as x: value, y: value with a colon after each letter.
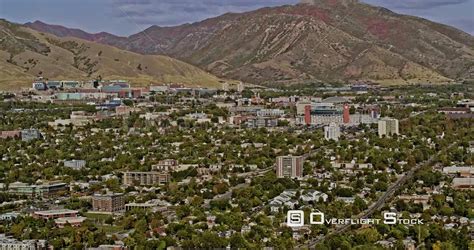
x: 381, y: 201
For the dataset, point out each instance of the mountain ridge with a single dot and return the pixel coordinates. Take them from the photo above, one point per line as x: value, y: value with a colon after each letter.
x: 326, y: 40
x: 26, y: 54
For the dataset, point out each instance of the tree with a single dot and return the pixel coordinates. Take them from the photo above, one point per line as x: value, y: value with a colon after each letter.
x: 237, y: 241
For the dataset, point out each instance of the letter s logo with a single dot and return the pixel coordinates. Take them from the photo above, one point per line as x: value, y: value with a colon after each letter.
x: 390, y: 218
x: 295, y: 218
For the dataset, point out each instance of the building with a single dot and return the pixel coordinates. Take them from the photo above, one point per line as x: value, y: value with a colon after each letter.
x: 8, y: 243
x: 55, y: 85
x: 270, y: 112
x: 159, y: 89
x: 145, y: 178
x: 459, y: 171
x: 301, y: 107
x: 54, y: 214
x: 333, y: 111
x: 108, y: 247
x: 332, y: 132
x: 70, y: 84
x: 289, y: 166
x: 10, y: 134
x: 30, y: 134
x: 124, y: 110
x: 43, y: 190
x: 463, y: 183
x: 73, y: 221
x: 261, y: 122
x: 166, y: 165
x: 75, y: 164
x: 153, y: 205
x: 39, y: 86
x: 9, y: 216
x: 462, y: 110
x: 108, y: 202
x: 323, y: 113
x: 388, y: 127
x: 81, y: 118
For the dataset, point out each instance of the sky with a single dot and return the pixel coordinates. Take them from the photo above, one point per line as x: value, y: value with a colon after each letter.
x: 127, y: 17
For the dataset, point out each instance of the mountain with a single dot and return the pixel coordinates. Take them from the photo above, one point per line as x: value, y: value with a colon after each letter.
x: 26, y: 54
x: 62, y: 31
x: 327, y: 40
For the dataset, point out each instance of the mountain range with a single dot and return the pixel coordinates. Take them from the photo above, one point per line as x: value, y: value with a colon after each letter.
x: 26, y: 54
x: 315, y: 40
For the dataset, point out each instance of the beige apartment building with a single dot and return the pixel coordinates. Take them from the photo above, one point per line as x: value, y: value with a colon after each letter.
x: 145, y: 178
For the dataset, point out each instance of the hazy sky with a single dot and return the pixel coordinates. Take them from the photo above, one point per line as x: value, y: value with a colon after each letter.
x: 126, y: 17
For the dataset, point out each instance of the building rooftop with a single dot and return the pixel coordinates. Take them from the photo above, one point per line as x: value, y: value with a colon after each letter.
x: 335, y: 99
x: 71, y: 220
x: 57, y: 211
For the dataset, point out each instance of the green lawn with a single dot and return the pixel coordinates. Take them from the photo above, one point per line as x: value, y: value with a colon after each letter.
x: 94, y: 216
x: 108, y: 229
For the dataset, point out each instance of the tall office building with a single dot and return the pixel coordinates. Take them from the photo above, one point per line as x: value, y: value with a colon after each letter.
x: 388, y: 127
x: 332, y: 132
x: 289, y: 166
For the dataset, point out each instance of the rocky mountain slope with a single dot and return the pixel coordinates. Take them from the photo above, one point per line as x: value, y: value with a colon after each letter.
x: 26, y: 54
x: 328, y: 40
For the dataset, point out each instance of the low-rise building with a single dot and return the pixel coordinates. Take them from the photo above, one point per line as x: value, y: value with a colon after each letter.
x: 153, y: 205
x: 43, y: 190
x: 10, y: 134
x: 30, y: 134
x: 145, y: 178
x: 75, y: 164
x: 459, y: 171
x: 9, y: 216
x: 54, y: 214
x: 73, y: 221
x: 463, y: 183
x: 166, y: 165
x: 8, y: 243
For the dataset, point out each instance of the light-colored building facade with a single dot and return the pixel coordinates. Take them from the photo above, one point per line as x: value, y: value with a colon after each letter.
x: 75, y: 164
x: 30, y: 134
x: 388, y: 127
x: 166, y: 165
x: 466, y: 183
x: 332, y: 132
x: 145, y: 178
x: 54, y: 214
x: 8, y: 243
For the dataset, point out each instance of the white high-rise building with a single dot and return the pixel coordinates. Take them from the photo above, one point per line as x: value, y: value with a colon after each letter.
x: 388, y: 127
x: 332, y: 132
